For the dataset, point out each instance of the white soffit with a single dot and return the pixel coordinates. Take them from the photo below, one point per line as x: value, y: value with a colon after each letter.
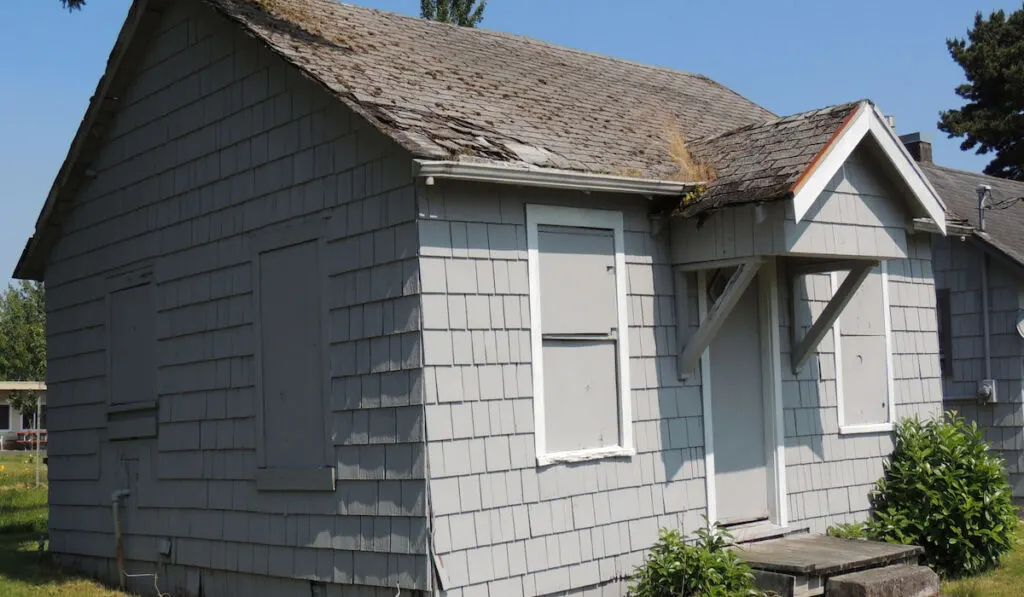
x: 867, y: 120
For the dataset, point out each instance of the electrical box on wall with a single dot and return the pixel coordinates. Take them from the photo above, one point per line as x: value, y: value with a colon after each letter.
x: 987, y: 391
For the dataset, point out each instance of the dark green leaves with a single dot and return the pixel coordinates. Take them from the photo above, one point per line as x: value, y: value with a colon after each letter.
x: 992, y: 57
x: 72, y: 4
x: 704, y: 568
x: 943, y: 490
x: 464, y: 13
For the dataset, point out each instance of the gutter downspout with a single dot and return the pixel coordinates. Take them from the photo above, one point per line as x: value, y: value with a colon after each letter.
x: 985, y: 316
x: 115, y: 502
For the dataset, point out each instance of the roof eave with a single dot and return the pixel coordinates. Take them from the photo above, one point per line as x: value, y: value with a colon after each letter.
x: 865, y: 121
x: 142, y: 16
x: 550, y: 178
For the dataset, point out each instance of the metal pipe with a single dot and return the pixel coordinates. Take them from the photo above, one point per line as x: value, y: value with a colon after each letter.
x: 115, y: 503
x: 985, y: 316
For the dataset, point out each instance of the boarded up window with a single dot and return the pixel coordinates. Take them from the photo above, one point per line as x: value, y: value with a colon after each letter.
x: 293, y: 432
x: 944, y: 316
x: 132, y: 345
x: 863, y: 356
x: 579, y: 334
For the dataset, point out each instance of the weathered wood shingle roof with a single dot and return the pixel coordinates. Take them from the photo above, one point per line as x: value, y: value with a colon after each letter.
x: 764, y: 161
x: 444, y: 91
x: 451, y: 93
x: 1004, y: 226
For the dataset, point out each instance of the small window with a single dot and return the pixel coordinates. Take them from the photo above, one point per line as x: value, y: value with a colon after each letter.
x: 132, y: 345
x: 579, y: 333
x: 5, y: 417
x: 944, y: 316
x: 863, y: 357
x: 294, y: 452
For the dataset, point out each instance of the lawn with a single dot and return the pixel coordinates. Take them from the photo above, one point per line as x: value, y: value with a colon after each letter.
x: 1005, y: 581
x: 23, y: 570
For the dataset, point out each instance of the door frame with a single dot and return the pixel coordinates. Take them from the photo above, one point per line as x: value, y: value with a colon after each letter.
x: 771, y: 373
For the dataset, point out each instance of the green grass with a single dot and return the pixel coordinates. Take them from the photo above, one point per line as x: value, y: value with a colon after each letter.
x: 1004, y: 581
x: 24, y: 571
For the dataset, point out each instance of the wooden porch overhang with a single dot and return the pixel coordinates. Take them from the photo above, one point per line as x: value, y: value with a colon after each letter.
x: 744, y: 271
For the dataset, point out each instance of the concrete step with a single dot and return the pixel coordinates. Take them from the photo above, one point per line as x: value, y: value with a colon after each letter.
x: 890, y: 581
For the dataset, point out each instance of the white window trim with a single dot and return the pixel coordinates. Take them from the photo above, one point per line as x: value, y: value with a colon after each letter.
x: 586, y: 218
x: 837, y: 336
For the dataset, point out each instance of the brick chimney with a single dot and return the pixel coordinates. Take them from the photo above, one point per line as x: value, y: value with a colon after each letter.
x: 919, y: 146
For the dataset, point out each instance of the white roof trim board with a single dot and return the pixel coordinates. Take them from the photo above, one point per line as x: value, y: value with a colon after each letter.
x: 550, y: 178
x: 867, y: 120
x: 22, y: 386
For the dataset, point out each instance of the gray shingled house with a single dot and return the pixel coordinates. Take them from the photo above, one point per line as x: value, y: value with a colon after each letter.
x: 341, y: 301
x: 979, y: 281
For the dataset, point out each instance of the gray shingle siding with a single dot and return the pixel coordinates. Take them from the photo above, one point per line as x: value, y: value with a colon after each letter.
x: 829, y: 474
x: 958, y: 268
x: 502, y: 526
x: 215, y: 141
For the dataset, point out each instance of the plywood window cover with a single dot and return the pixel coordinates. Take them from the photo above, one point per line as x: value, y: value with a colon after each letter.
x: 574, y: 217
x: 318, y: 476
x: 126, y: 280
x: 845, y: 429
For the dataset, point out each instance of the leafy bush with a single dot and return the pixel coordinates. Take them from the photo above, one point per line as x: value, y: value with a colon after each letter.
x: 851, y: 530
x: 944, y: 491
x: 705, y: 569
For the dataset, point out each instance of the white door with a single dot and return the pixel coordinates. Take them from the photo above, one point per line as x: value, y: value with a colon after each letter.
x: 738, y: 414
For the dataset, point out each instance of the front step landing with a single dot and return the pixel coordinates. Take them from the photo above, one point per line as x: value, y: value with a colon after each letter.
x: 801, y: 565
x: 891, y: 581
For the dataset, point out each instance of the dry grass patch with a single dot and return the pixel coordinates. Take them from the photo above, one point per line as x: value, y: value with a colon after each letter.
x: 690, y: 169
x: 1005, y: 581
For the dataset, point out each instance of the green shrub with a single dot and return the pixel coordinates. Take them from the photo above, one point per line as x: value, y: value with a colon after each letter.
x: 704, y: 569
x: 944, y: 491
x: 851, y: 530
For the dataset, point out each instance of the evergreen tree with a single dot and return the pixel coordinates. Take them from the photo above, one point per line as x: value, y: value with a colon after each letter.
x: 992, y: 121
x: 72, y: 4
x: 464, y: 13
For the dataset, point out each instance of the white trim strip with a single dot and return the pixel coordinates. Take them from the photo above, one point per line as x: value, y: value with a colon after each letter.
x: 868, y: 120
x: 705, y: 397
x: 587, y: 218
x: 551, y: 178
x: 22, y: 386
x: 781, y: 491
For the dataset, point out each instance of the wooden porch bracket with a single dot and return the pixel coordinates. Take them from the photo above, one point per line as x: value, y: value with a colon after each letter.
x: 716, y: 315
x: 802, y: 350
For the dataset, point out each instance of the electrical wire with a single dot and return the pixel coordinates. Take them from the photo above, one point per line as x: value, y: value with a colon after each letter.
x: 155, y: 581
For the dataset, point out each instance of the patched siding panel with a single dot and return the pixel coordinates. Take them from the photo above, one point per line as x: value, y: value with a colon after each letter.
x: 215, y: 142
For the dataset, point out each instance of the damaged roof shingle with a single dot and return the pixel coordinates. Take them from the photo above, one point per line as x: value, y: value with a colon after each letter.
x: 763, y: 161
x: 442, y: 91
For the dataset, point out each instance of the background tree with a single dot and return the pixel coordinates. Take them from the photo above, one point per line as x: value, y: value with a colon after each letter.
x: 23, y: 339
x: 464, y: 13
x: 72, y: 4
x: 992, y: 57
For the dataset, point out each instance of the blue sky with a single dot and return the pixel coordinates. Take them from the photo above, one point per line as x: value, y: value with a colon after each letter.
x: 787, y: 55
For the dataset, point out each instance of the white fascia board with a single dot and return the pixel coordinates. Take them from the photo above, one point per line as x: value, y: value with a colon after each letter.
x: 867, y: 120
x: 22, y: 386
x: 550, y: 178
